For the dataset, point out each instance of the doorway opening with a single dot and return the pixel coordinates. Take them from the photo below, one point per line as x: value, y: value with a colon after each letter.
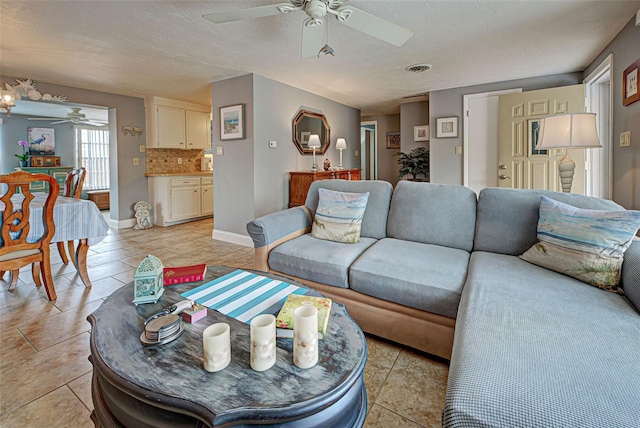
x: 369, y: 150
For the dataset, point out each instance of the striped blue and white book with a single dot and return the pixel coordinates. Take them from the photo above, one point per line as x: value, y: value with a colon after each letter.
x: 243, y: 295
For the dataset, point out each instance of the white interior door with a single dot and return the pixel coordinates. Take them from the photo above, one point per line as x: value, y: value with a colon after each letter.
x: 523, y: 167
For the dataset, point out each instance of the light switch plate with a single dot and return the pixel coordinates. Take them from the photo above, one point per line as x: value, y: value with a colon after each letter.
x: 357, y: 153
x: 219, y: 151
x: 625, y: 139
x: 458, y: 150
x: 142, y: 148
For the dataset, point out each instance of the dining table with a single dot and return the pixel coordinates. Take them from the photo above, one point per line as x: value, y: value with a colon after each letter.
x: 75, y: 220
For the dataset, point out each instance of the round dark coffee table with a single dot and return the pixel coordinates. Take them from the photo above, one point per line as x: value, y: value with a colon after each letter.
x: 167, y: 386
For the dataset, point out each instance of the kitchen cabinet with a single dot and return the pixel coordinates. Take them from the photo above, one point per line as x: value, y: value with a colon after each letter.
x: 173, y: 124
x: 176, y: 199
x: 58, y: 172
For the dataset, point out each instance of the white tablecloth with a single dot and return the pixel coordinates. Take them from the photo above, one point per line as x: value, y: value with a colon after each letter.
x: 74, y: 219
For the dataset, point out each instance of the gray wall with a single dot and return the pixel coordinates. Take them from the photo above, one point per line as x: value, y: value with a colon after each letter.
x: 128, y: 183
x: 15, y: 128
x: 387, y: 166
x: 252, y: 179
x: 233, y: 204
x: 446, y: 166
x: 625, y: 48
x: 412, y: 114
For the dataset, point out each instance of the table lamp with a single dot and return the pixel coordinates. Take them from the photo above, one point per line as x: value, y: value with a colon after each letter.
x: 568, y: 131
x: 341, y: 144
x: 314, y: 143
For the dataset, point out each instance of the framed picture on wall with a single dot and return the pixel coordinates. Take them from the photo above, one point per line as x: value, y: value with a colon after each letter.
x: 232, y: 122
x: 42, y: 141
x: 393, y: 140
x: 447, y: 127
x: 421, y: 133
x: 304, y: 138
x: 630, y: 91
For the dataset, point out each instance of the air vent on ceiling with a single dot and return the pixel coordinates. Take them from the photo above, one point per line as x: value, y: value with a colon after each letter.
x: 418, y: 68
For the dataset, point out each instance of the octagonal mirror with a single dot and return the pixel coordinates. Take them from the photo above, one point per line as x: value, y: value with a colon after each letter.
x: 307, y: 123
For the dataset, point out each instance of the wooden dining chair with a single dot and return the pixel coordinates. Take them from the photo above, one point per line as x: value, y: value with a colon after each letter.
x: 72, y: 189
x: 15, y: 249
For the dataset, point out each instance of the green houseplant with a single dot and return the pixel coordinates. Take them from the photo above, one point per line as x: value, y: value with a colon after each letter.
x: 414, y: 164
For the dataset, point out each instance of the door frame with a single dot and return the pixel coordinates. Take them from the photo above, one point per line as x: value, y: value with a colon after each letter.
x: 465, y: 128
x: 373, y: 156
x: 590, y: 82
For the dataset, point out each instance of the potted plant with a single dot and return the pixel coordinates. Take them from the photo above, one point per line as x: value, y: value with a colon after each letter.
x: 414, y: 164
x: 25, y: 154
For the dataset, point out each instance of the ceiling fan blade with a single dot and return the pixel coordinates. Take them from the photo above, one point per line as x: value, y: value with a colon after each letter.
x: 43, y: 118
x: 62, y: 121
x: 92, y: 123
x: 237, y: 15
x: 377, y: 27
x: 311, y: 40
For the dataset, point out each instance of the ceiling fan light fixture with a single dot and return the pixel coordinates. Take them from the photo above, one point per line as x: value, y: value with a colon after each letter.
x: 418, y: 68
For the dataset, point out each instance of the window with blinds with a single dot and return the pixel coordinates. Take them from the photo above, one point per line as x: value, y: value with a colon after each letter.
x: 93, y: 154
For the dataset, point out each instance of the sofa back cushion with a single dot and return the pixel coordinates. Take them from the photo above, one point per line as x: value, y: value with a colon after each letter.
x: 374, y: 222
x: 437, y: 214
x: 508, y: 218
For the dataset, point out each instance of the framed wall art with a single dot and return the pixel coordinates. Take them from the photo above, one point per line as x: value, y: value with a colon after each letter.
x: 42, y: 141
x: 447, y: 127
x: 421, y: 133
x: 232, y: 122
x: 630, y: 92
x: 393, y: 140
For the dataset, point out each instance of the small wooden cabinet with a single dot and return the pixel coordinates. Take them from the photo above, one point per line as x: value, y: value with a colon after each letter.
x: 177, y: 125
x: 301, y: 181
x: 58, y: 172
x: 100, y: 198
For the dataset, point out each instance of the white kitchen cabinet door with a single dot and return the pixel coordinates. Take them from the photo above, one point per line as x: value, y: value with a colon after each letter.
x: 185, y: 203
x: 198, y: 130
x: 171, y: 128
x: 207, y: 200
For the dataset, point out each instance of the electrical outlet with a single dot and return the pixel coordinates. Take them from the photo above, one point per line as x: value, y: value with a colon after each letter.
x: 273, y: 144
x: 136, y: 161
x: 219, y: 151
x: 625, y: 139
x: 142, y: 148
x: 179, y: 161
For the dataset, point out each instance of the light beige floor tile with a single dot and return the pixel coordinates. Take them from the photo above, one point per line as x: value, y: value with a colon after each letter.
x: 59, y: 408
x: 31, y: 292
x: 99, y: 272
x: 81, y: 387
x: 238, y: 258
x: 109, y: 256
x: 82, y: 295
x: 26, y: 312
x: 379, y: 417
x: 415, y: 388
x: 42, y: 372
x: 58, y: 328
x: 14, y: 346
x: 126, y: 276
x: 374, y: 377
x: 382, y: 352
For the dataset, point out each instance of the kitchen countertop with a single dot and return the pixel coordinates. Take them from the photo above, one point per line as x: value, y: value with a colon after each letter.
x: 179, y: 174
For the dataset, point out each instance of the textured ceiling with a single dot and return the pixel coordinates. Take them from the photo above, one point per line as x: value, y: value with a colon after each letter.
x: 166, y: 48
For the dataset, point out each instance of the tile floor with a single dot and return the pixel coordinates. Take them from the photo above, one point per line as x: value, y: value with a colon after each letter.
x: 45, y: 376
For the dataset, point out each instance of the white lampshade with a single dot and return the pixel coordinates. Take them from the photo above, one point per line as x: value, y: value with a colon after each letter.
x: 341, y: 143
x: 314, y: 141
x: 575, y: 130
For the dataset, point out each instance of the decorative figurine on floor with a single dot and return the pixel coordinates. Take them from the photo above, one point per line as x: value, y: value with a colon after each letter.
x: 327, y: 165
x: 143, y: 220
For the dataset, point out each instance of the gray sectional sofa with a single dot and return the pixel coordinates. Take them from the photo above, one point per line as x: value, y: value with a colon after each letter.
x: 437, y: 269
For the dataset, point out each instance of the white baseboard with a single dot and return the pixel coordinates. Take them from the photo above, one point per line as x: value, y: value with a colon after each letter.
x: 122, y: 224
x: 234, y: 238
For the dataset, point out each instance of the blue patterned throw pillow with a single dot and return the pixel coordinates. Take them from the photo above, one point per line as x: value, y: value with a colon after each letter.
x: 588, y: 245
x: 339, y: 216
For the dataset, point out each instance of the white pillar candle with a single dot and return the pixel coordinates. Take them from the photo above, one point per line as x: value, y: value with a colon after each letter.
x: 305, y: 336
x: 263, y: 342
x: 216, y: 342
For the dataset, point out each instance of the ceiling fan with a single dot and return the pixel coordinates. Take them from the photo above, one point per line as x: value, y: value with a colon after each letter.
x: 74, y: 117
x: 316, y: 10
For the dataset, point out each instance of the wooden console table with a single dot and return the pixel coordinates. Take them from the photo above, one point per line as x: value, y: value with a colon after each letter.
x: 301, y: 181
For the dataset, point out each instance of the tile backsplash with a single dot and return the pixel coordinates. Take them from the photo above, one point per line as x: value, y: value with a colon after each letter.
x: 162, y: 161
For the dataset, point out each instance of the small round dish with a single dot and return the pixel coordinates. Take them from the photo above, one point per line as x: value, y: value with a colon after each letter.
x: 161, y: 330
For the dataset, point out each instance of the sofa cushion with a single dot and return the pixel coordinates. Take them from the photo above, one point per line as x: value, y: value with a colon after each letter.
x: 535, y: 348
x: 421, y: 276
x: 317, y: 260
x: 507, y: 219
x: 374, y: 222
x: 630, y: 276
x: 339, y: 216
x: 585, y: 244
x: 438, y: 214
